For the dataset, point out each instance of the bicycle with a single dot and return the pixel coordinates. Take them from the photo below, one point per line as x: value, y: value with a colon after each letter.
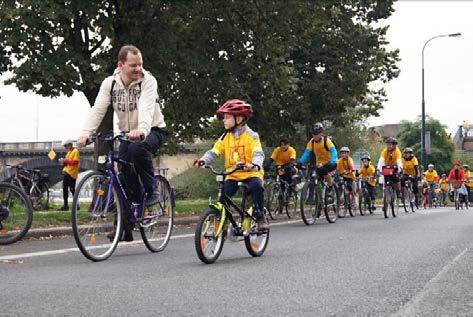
x: 16, y: 213
x: 104, y: 206
x: 349, y: 200
x: 456, y: 188
x: 407, y: 195
x: 218, y: 221
x: 390, y: 198
x: 282, y: 195
x: 34, y: 183
x: 314, y: 196
x: 365, y: 204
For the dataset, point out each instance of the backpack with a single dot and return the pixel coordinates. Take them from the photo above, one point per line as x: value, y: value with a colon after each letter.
x: 326, y: 137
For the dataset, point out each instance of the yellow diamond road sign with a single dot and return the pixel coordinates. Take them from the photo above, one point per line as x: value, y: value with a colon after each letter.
x: 51, y: 154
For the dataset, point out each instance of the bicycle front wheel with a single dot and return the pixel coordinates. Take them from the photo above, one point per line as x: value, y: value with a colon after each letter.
x: 208, y: 242
x: 292, y: 199
x: 394, y: 205
x: 386, y: 202
x: 331, y: 204
x: 344, y: 209
x: 273, y: 201
x: 156, y: 225
x: 96, y: 218
x: 16, y: 213
x: 310, y: 203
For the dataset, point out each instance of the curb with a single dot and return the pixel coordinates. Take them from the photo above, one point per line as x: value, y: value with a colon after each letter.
x: 67, y: 231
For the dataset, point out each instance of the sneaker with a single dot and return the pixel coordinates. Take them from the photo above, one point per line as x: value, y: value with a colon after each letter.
x: 262, y: 224
x: 153, y: 199
x: 64, y: 208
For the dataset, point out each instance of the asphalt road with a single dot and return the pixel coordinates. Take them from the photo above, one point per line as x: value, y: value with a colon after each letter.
x: 415, y: 265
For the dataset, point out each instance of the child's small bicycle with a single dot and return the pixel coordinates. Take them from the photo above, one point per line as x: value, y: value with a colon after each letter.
x: 213, y: 226
x: 101, y: 205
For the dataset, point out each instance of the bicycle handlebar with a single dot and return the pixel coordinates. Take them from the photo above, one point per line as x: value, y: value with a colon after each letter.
x: 238, y: 167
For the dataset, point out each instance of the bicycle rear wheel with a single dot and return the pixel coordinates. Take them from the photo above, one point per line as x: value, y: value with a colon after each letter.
x: 256, y: 242
x: 16, y: 213
x: 156, y: 225
x: 310, y: 203
x: 405, y: 199
x: 208, y: 244
x: 97, y: 224
x: 351, y: 204
x: 344, y: 210
x: 39, y: 199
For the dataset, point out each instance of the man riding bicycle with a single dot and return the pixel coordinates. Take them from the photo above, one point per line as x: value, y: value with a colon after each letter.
x: 391, y: 156
x: 468, y: 179
x: 431, y: 178
x: 325, y: 155
x: 410, y: 171
x: 132, y: 92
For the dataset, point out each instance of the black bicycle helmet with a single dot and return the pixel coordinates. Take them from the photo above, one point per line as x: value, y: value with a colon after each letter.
x: 317, y: 128
x: 391, y: 139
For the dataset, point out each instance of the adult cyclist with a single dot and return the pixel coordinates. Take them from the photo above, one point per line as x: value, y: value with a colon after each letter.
x: 391, y: 156
x: 325, y: 155
x: 410, y: 171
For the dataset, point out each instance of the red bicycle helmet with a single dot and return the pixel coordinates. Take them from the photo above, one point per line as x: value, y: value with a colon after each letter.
x: 236, y: 107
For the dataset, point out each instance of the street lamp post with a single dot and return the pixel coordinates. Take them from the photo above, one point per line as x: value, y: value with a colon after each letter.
x: 423, y: 151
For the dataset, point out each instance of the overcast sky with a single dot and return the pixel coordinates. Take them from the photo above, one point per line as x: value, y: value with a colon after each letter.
x: 448, y: 78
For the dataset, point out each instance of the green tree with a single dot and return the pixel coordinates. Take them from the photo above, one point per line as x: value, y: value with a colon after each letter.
x: 295, y: 61
x: 442, y: 148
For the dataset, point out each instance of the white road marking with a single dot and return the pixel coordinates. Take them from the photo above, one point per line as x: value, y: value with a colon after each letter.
x: 409, y: 309
x: 121, y: 244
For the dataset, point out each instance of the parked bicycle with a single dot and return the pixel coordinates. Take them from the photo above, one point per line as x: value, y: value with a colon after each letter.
x: 34, y: 183
x: 16, y: 213
x: 390, y: 198
x: 282, y: 195
x: 365, y: 203
x: 218, y: 222
x: 314, y: 198
x: 104, y: 204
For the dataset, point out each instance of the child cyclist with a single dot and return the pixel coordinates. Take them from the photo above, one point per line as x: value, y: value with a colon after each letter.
x: 346, y: 168
x: 240, y: 144
x: 368, y: 175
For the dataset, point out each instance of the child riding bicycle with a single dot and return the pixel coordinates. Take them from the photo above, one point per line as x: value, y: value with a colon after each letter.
x: 240, y: 144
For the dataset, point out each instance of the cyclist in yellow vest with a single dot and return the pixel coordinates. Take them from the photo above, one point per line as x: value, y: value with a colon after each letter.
x: 240, y: 144
x: 410, y: 170
x: 444, y: 187
x: 70, y: 171
x: 431, y: 177
x: 368, y: 175
x: 325, y: 155
x: 346, y: 168
x: 391, y: 156
x: 284, y: 157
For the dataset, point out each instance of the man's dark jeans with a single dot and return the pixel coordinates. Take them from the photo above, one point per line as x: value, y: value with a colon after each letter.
x: 141, y: 155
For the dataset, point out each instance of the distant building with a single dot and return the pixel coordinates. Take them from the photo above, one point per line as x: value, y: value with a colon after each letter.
x: 381, y: 132
x: 463, y: 139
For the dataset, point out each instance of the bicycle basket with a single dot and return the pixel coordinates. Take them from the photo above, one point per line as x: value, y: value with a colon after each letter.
x: 388, y: 171
x: 456, y: 184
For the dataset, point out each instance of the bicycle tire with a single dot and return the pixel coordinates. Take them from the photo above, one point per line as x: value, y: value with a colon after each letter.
x: 361, y: 202
x: 209, y: 217
x: 97, y: 234
x: 344, y: 210
x: 13, y: 202
x: 273, y: 201
x: 156, y: 226
x: 394, y: 205
x: 309, y: 207
x: 256, y: 242
x: 331, y: 208
x: 403, y: 199
x: 351, y: 205
x: 386, y: 200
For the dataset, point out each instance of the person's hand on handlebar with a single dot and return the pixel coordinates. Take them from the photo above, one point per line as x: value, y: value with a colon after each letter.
x: 136, y: 135
x: 82, y: 141
x: 251, y: 167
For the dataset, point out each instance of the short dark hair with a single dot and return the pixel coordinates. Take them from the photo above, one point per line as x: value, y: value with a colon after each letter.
x: 283, y: 141
x: 123, y: 52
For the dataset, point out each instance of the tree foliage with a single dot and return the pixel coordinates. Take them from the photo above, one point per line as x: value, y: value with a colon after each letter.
x: 442, y: 149
x: 295, y: 61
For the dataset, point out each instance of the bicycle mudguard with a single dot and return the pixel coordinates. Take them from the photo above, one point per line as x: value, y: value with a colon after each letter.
x: 219, y: 208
